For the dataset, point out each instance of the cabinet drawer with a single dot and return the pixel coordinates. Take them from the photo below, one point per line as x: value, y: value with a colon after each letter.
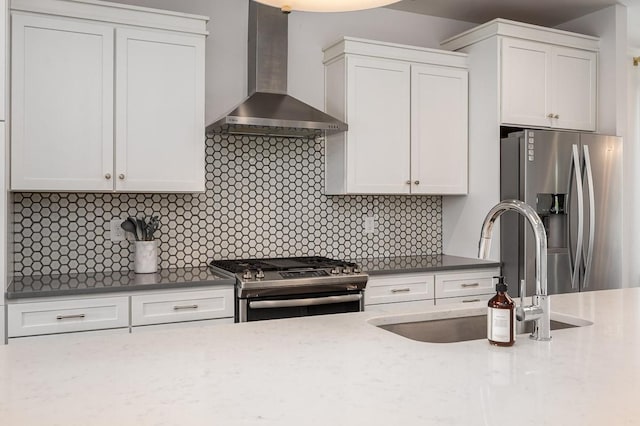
x: 465, y: 299
x: 403, y: 288
x: 182, y: 306
x: 61, y: 316
x: 465, y: 284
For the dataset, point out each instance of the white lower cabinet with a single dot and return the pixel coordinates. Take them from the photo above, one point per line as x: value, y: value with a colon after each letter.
x: 463, y: 284
x: 398, y: 288
x: 465, y: 287
x: 63, y: 316
x: 164, y: 308
x: 3, y: 334
x: 413, y: 291
x: 134, y: 310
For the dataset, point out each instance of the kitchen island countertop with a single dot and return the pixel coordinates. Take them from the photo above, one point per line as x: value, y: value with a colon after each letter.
x: 332, y: 370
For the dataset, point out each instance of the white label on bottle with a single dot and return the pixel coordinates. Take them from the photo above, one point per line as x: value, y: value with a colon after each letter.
x: 499, y: 325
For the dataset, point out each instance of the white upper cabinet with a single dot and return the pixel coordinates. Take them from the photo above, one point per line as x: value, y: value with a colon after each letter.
x: 379, y: 114
x: 545, y: 78
x: 406, y: 108
x: 525, y: 85
x: 573, y: 88
x: 439, y: 140
x: 159, y: 111
x: 548, y: 86
x: 62, y: 104
x: 100, y: 105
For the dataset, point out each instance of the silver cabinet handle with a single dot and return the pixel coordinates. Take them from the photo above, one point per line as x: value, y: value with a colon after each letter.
x: 107, y: 176
x: 408, y: 182
x: 471, y: 300
x: 417, y: 182
x: 470, y: 285
x: 73, y: 316
x: 400, y: 290
x: 183, y: 307
x: 312, y: 301
x: 556, y: 116
x: 121, y: 176
x: 550, y: 115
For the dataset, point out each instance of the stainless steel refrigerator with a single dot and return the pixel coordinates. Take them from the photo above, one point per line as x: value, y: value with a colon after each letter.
x: 574, y: 181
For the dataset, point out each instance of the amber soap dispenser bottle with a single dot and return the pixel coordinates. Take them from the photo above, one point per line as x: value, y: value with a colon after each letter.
x: 501, y: 317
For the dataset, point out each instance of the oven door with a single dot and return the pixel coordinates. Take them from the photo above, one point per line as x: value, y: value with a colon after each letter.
x: 299, y: 305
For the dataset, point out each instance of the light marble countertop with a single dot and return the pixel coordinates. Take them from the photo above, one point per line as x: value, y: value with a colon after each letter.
x: 332, y: 370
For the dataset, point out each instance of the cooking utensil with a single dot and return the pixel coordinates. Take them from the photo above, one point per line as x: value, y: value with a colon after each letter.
x: 129, y: 226
x: 142, y: 229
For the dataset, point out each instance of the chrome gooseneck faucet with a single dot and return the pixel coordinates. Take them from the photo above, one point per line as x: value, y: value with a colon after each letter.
x: 540, y: 309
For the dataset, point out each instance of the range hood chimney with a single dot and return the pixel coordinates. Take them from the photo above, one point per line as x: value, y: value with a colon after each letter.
x: 269, y: 110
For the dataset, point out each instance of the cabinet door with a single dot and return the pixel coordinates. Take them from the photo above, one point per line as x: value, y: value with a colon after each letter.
x: 160, y: 141
x: 573, y: 88
x: 525, y: 76
x: 378, y: 113
x: 61, y: 105
x: 439, y: 130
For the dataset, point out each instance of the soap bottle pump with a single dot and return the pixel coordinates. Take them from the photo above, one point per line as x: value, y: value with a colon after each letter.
x: 501, y: 317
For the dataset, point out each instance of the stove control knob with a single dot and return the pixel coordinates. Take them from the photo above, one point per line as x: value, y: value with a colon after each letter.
x: 347, y: 270
x: 356, y: 270
x: 259, y: 274
x: 247, y: 275
x: 336, y: 270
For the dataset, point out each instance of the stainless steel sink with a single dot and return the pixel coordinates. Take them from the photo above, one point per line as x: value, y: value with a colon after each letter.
x: 457, y: 329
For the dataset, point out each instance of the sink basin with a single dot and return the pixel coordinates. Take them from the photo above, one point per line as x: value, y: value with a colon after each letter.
x: 459, y: 329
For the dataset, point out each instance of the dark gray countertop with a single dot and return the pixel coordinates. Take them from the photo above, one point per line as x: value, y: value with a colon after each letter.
x: 437, y: 262
x: 105, y: 282
x: 96, y: 283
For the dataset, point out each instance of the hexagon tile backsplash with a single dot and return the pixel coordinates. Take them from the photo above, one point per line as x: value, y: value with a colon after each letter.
x: 264, y: 198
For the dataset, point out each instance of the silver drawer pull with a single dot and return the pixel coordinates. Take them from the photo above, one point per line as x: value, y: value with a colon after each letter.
x: 470, y: 285
x: 400, y: 290
x: 183, y: 307
x: 64, y: 317
x: 471, y: 300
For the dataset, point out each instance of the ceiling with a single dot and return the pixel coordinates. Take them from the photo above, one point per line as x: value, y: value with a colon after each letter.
x: 540, y: 12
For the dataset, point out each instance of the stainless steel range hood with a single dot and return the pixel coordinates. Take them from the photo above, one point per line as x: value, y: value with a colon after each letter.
x: 269, y: 110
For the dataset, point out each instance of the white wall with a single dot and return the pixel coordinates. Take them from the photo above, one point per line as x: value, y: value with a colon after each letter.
x: 226, y: 64
x: 309, y: 33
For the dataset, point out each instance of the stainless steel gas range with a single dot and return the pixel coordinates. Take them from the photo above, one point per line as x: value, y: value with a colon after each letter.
x: 294, y: 287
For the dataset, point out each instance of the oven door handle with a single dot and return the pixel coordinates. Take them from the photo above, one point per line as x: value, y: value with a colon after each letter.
x: 312, y: 301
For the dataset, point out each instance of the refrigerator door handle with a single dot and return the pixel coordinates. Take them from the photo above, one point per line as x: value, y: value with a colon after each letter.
x: 592, y: 215
x: 574, y: 259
